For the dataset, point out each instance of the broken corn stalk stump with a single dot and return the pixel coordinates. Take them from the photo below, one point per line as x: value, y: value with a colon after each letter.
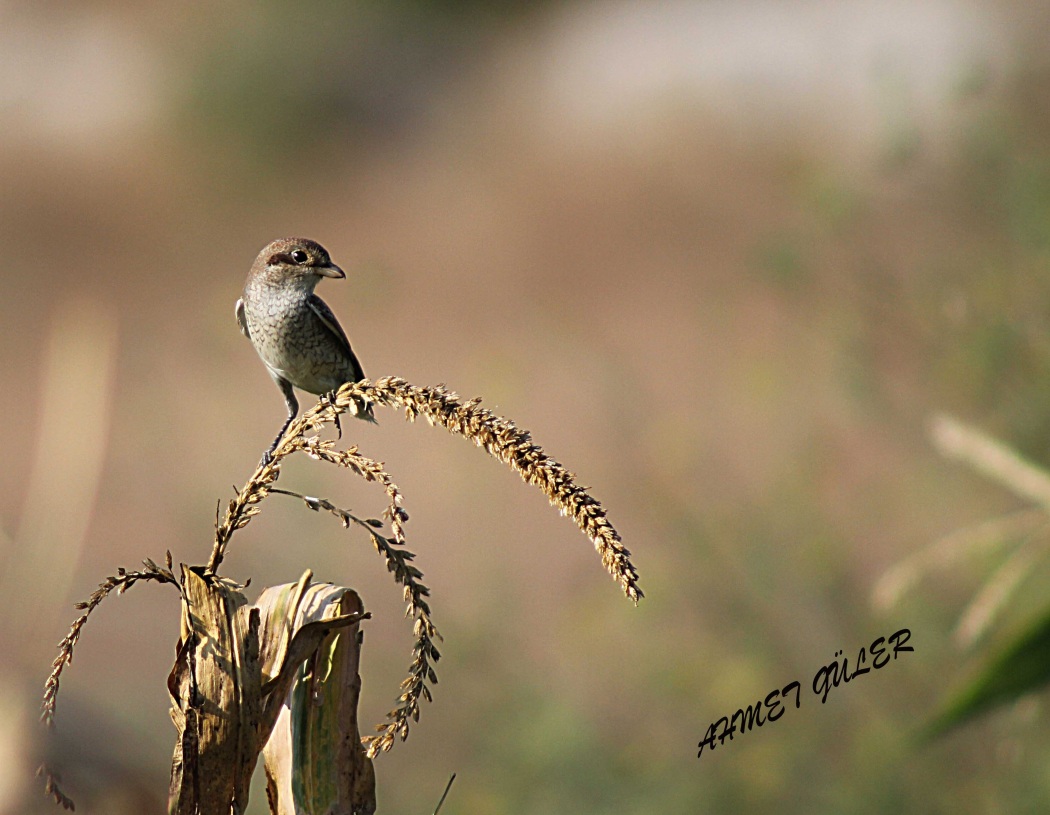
x: 240, y: 670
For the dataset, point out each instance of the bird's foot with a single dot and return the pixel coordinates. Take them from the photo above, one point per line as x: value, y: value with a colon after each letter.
x: 330, y: 398
x: 267, y: 457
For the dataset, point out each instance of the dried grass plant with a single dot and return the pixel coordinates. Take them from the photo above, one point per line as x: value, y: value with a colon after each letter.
x: 119, y: 583
x: 497, y: 435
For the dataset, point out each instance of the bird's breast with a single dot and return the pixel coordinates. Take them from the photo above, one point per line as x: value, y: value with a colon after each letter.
x: 294, y: 343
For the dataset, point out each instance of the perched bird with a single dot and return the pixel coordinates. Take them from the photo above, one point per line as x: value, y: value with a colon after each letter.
x: 293, y: 330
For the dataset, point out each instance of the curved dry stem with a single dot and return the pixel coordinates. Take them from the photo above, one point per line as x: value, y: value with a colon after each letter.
x: 496, y: 434
x: 369, y: 469
x: 245, y: 505
x: 120, y: 582
x: 499, y: 436
x: 502, y: 439
x: 424, y: 653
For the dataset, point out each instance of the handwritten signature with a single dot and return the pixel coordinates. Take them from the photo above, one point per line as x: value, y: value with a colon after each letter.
x: 827, y: 677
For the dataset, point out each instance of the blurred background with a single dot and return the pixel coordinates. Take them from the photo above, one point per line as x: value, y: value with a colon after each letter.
x: 725, y: 259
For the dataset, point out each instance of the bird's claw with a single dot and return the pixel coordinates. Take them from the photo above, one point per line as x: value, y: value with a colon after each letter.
x: 330, y: 398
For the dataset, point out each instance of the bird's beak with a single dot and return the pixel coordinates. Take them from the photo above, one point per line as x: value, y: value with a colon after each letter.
x: 330, y: 271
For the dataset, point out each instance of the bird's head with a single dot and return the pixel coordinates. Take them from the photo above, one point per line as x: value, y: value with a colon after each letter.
x: 296, y: 260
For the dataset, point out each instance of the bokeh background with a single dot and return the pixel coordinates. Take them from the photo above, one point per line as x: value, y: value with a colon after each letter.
x: 725, y: 259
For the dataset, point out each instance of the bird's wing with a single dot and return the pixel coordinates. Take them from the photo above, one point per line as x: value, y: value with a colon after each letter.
x: 320, y: 308
x: 241, y: 319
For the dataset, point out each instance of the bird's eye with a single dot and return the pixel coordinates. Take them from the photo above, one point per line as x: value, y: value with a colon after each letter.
x: 299, y: 256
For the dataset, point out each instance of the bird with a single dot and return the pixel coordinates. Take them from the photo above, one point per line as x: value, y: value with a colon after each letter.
x: 293, y: 330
